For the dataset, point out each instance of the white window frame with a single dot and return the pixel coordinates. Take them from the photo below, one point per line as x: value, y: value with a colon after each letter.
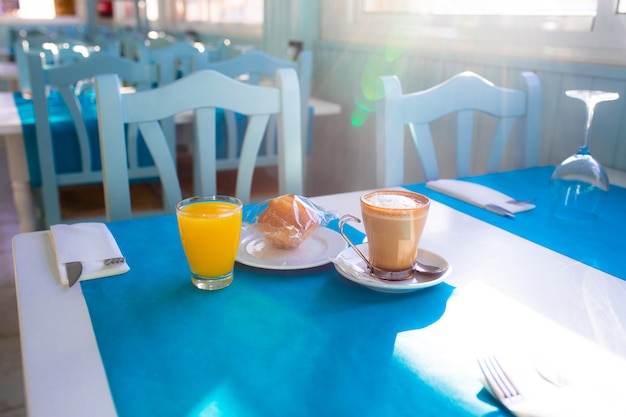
x: 523, y: 37
x: 168, y: 21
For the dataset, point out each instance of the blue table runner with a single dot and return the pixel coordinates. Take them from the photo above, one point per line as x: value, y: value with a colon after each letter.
x: 297, y: 343
x: 64, y: 135
x: 597, y: 243
x: 300, y: 342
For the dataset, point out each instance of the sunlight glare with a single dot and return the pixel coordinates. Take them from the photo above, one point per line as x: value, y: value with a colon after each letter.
x: 36, y: 9
x: 487, y: 7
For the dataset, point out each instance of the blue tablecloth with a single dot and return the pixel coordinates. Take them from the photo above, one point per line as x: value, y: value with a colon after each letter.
x: 304, y: 343
x: 292, y: 343
x: 64, y: 136
x: 596, y: 243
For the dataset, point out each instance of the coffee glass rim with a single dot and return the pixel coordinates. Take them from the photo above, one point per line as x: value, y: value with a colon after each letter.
x: 425, y: 200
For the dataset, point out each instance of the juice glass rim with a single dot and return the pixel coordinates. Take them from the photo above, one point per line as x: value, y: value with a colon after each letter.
x: 208, y: 198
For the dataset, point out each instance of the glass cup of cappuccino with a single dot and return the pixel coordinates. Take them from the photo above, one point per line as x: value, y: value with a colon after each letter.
x: 394, y: 221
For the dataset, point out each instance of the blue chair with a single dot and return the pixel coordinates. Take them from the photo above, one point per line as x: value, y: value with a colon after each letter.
x: 256, y: 67
x: 201, y: 92
x: 463, y: 95
x: 71, y: 158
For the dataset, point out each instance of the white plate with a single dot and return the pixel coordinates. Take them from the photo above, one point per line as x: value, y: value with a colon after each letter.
x: 351, y: 266
x: 316, y: 250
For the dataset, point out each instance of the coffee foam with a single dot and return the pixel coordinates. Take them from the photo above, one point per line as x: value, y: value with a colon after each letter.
x: 393, y: 201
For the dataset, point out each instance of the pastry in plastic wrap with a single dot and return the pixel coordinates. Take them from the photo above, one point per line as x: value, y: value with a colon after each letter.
x: 287, y: 221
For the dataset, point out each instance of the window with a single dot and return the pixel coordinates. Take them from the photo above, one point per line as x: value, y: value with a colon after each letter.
x: 34, y: 9
x: 464, y: 15
x: 125, y: 11
x: 63, y: 11
x: 245, y: 12
x: 574, y: 30
x: 485, y: 7
x: 223, y: 18
x: 220, y: 11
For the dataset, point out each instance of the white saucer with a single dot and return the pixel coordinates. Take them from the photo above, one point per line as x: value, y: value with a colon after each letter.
x: 316, y: 250
x: 350, y: 265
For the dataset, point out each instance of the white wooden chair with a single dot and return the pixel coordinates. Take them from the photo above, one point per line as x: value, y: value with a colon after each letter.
x: 64, y: 78
x: 56, y: 46
x: 257, y: 67
x: 174, y: 60
x: 203, y: 92
x: 48, y: 44
x: 465, y: 95
x: 181, y: 58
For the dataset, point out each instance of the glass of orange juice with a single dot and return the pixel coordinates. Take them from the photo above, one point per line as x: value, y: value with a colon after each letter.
x: 209, y: 230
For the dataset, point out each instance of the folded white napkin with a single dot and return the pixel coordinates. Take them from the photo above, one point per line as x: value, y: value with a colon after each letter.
x: 90, y: 244
x: 476, y: 194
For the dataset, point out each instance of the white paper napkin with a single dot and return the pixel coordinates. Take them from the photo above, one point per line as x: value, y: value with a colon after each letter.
x: 87, y: 243
x: 476, y: 194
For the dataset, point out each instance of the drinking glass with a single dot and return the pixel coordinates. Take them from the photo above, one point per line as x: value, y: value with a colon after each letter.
x: 210, y: 229
x: 579, y: 185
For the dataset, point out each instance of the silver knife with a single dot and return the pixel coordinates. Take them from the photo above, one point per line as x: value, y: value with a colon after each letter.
x: 74, y: 269
x: 500, y: 210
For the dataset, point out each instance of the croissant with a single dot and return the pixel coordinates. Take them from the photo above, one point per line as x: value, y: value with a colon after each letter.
x: 287, y: 221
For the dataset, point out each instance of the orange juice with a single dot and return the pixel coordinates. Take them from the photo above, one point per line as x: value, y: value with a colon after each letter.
x: 210, y: 230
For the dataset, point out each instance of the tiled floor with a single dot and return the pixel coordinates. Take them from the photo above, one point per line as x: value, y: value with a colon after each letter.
x: 11, y: 380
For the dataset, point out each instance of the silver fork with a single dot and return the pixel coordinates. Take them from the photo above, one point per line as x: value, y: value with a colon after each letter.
x: 113, y: 261
x: 499, y: 382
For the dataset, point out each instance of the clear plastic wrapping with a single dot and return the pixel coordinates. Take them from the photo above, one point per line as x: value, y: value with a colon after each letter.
x: 286, y: 221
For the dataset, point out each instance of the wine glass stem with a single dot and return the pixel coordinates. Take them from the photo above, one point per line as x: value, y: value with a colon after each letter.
x: 584, y: 146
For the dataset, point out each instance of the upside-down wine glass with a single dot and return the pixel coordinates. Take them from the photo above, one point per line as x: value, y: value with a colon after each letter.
x: 579, y: 185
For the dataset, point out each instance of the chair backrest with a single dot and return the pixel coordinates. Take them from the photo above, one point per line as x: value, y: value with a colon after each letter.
x: 181, y: 58
x: 174, y: 61
x: 465, y: 95
x: 57, y: 49
x: 202, y: 92
x: 219, y: 49
x: 160, y: 39
x: 258, y: 66
x: 64, y: 79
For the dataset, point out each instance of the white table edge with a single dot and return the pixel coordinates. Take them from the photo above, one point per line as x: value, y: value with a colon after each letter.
x: 70, y: 375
